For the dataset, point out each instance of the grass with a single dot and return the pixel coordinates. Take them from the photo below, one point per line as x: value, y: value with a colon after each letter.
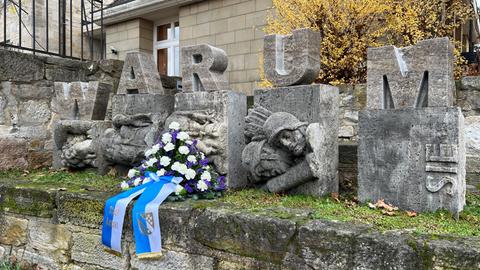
x: 346, y: 210
x: 8, y: 265
x: 78, y: 181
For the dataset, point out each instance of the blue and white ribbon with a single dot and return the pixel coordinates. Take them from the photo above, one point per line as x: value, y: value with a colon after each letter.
x: 146, y: 224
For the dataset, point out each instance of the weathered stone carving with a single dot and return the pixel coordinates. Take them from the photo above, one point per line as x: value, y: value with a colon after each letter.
x: 411, y: 141
x: 140, y: 75
x: 216, y: 119
x: 203, y: 68
x: 292, y: 59
x: 80, y: 108
x: 293, y: 141
x: 137, y: 122
x: 415, y: 76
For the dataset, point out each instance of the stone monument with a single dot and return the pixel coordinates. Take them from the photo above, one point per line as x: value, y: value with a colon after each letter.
x: 292, y: 130
x: 139, y: 110
x: 411, y: 138
x: 210, y: 112
x: 79, y: 112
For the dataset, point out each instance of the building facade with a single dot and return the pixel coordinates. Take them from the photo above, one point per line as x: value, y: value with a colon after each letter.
x: 162, y: 27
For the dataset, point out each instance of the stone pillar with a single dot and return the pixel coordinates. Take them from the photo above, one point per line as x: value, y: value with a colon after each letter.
x: 212, y: 113
x: 411, y: 139
x: 292, y: 129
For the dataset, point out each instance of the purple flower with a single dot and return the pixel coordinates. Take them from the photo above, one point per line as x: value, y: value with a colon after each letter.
x: 209, y: 184
x: 220, y: 183
x: 169, y: 173
x: 174, y: 136
x: 203, y: 162
x: 199, y: 171
x: 188, y: 188
x: 189, y: 164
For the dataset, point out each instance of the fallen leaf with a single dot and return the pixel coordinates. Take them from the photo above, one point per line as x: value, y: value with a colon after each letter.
x: 386, y: 206
x: 411, y: 213
x: 335, y: 196
x: 388, y: 213
x: 372, y: 206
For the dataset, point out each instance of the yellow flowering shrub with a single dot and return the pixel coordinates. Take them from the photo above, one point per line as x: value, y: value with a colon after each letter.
x: 349, y: 27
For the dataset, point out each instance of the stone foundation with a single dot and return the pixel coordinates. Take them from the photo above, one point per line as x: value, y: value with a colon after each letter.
x: 60, y: 230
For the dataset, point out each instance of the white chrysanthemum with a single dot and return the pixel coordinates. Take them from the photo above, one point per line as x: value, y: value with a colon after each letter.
x: 206, y: 176
x: 151, y: 162
x: 183, y: 136
x: 148, y: 153
x: 179, y: 189
x: 202, y: 186
x: 132, y: 173
x: 124, y: 185
x: 169, y: 147
x: 192, y: 158
x: 175, y: 166
x: 174, y: 126
x: 155, y: 148
x: 190, y: 174
x: 161, y: 172
x: 166, y: 138
x: 182, y: 168
x: 183, y: 150
x: 202, y: 155
x: 165, y: 161
x: 137, y: 181
x: 189, y: 142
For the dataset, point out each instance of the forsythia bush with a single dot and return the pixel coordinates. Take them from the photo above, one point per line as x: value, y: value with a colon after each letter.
x: 349, y: 27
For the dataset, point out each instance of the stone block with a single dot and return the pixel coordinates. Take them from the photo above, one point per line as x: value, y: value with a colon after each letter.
x: 51, y: 240
x: 31, y: 202
x: 140, y: 75
x: 413, y: 158
x: 17, y: 150
x: 141, y: 104
x: 13, y: 231
x: 173, y: 260
x: 203, y: 68
x: 472, y: 143
x: 416, y: 76
x: 16, y: 66
x: 81, y: 100
x: 254, y: 236
x: 317, y: 107
x: 33, y: 112
x: 215, y: 118
x: 81, y: 209
x: 88, y: 248
x: 292, y: 59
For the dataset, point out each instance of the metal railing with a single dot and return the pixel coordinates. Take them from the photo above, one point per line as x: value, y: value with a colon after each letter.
x: 69, y: 21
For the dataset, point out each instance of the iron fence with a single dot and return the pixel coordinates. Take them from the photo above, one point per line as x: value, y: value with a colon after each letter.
x: 64, y: 28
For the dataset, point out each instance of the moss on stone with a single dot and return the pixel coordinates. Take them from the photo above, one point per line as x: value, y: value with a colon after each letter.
x: 27, y: 201
x: 345, y: 210
x: 75, y: 181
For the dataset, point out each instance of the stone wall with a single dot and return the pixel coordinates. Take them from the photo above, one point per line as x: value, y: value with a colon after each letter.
x: 234, y: 26
x: 26, y: 92
x: 59, y: 230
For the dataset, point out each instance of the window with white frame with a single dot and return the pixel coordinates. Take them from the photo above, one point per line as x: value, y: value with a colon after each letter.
x: 166, y: 49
